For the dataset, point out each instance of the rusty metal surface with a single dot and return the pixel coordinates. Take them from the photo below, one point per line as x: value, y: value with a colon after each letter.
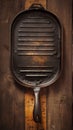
x: 36, y: 47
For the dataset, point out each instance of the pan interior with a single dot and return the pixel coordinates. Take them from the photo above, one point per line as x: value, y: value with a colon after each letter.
x: 36, y: 47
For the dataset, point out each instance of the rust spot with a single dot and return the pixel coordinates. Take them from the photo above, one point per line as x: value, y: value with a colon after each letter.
x: 40, y: 60
x: 37, y: 43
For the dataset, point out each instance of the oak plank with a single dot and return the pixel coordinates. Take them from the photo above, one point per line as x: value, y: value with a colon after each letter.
x: 60, y: 94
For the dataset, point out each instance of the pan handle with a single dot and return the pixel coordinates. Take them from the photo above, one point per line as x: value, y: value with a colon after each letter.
x: 36, y: 6
x: 37, y: 108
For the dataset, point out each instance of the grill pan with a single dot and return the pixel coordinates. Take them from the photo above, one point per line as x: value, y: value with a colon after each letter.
x: 36, y: 51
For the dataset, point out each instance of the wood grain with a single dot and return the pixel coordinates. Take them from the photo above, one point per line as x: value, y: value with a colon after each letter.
x: 11, y: 98
x: 60, y: 94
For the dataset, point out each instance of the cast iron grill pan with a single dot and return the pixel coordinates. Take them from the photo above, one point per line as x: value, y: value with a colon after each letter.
x: 36, y: 50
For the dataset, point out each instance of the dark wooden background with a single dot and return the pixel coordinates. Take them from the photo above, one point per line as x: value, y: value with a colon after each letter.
x: 59, y: 95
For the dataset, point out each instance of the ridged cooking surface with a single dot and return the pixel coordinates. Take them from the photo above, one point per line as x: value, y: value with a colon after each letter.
x: 36, y: 47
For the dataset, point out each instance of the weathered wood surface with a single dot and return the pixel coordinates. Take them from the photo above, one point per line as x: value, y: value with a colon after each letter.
x: 59, y: 95
x: 11, y: 96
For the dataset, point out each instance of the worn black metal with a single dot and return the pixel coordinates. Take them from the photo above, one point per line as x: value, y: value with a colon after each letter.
x: 36, y: 50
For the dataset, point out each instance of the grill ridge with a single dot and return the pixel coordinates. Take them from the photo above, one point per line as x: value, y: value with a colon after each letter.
x: 36, y: 41
x: 36, y: 30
